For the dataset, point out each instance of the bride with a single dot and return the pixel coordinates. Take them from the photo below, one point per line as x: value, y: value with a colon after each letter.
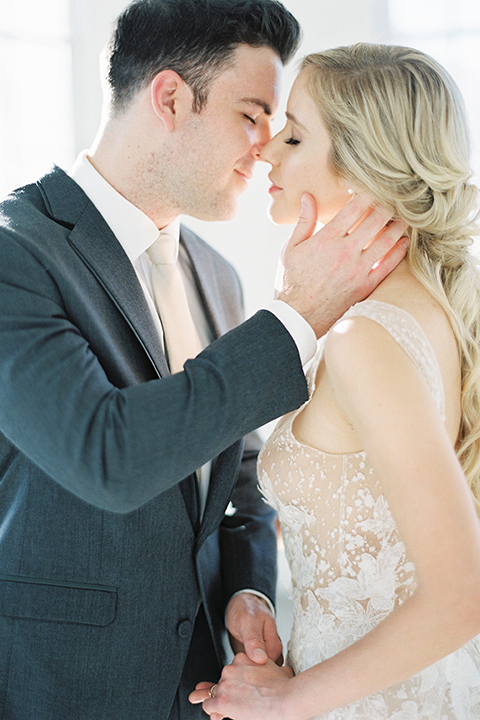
x: 376, y: 478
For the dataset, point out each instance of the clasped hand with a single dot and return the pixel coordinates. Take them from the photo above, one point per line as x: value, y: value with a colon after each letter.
x: 256, y: 674
x: 247, y: 691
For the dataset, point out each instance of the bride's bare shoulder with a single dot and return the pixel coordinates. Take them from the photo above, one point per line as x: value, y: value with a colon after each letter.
x: 403, y: 289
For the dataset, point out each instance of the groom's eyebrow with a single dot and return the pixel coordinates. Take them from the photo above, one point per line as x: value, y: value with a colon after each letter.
x: 259, y: 103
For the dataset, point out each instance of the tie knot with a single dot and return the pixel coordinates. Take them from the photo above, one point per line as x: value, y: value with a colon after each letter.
x: 164, y: 250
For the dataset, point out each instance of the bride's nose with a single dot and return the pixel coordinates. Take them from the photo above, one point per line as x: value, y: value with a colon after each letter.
x: 269, y: 152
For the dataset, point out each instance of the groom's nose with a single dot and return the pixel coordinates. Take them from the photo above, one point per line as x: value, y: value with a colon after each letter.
x: 263, y: 137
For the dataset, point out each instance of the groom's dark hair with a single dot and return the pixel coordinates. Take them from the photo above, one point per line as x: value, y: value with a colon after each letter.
x: 195, y: 38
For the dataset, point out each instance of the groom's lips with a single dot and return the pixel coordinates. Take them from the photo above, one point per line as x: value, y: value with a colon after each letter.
x: 247, y: 174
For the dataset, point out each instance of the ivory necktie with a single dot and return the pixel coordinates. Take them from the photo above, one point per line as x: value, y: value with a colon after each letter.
x: 181, y: 337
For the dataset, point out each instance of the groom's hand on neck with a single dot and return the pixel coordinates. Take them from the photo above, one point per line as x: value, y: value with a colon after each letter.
x: 322, y: 274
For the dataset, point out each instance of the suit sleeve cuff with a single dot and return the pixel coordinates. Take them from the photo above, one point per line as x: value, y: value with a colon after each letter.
x: 297, y: 326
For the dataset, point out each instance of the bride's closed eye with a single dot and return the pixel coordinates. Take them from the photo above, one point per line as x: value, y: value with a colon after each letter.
x: 292, y: 141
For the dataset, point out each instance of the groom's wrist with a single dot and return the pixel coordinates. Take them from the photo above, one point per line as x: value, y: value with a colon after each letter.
x: 258, y: 594
x: 301, y: 332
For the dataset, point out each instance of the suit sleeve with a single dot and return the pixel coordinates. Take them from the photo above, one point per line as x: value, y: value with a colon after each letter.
x: 117, y: 448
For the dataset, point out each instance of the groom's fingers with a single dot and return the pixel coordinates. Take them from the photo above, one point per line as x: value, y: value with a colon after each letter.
x: 252, y: 639
x: 304, y: 229
x: 273, y: 644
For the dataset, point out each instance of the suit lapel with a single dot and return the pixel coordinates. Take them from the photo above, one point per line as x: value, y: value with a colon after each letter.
x: 98, y: 247
x: 108, y: 262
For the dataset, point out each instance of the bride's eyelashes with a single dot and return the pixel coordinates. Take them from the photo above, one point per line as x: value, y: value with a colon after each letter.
x: 292, y: 141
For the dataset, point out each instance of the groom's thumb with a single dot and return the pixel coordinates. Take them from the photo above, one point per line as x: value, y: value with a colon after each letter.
x: 306, y: 222
x: 256, y: 651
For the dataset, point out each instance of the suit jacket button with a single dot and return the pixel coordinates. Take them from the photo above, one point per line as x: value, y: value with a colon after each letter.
x: 184, y: 628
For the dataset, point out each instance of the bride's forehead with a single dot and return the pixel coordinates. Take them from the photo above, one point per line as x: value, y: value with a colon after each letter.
x: 302, y: 109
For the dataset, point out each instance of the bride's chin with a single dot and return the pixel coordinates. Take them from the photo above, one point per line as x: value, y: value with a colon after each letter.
x: 279, y: 216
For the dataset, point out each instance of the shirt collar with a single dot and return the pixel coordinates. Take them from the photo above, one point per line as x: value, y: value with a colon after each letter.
x: 134, y: 230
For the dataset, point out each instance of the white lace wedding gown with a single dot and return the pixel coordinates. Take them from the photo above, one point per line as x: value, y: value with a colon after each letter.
x: 348, y: 562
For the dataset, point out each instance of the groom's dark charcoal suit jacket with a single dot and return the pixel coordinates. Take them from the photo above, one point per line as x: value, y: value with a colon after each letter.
x: 102, y: 556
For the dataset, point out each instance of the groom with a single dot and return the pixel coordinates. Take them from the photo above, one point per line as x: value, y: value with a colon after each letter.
x: 123, y: 535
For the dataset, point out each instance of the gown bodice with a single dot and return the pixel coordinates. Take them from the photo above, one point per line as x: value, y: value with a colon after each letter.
x: 348, y: 563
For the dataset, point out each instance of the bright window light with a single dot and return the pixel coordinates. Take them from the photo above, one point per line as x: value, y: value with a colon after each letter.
x: 36, y: 116
x: 449, y: 30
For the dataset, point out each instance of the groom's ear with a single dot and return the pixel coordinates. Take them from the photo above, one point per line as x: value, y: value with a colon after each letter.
x: 171, y: 99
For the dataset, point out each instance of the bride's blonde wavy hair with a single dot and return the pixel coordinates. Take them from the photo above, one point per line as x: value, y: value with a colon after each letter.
x: 398, y: 129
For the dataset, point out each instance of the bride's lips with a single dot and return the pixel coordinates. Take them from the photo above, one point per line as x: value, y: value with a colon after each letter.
x: 274, y: 188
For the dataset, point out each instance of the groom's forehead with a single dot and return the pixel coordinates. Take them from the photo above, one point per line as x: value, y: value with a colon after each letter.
x: 253, y: 79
